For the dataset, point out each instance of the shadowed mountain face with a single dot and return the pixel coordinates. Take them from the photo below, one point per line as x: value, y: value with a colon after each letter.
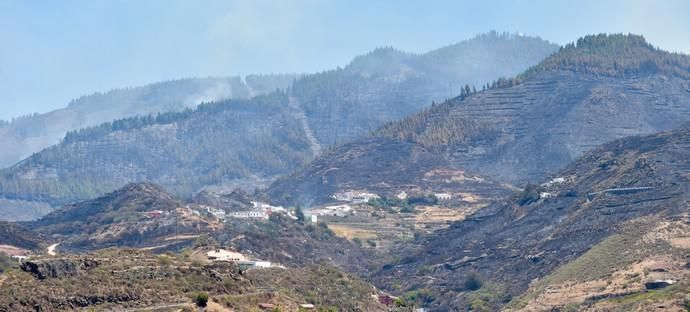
x: 12, y: 234
x: 626, y: 188
x: 524, y: 128
x: 249, y: 143
x: 235, y: 140
x: 30, y: 134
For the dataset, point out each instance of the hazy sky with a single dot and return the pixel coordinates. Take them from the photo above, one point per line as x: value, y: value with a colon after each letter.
x: 53, y: 51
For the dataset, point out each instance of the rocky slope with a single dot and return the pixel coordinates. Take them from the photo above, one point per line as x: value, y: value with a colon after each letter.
x: 30, y: 134
x: 121, y: 219
x: 119, y: 280
x: 143, y: 215
x: 522, y: 129
x: 382, y: 166
x: 251, y: 142
x: 618, y: 205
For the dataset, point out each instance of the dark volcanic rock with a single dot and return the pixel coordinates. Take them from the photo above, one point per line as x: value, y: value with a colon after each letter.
x: 57, y: 268
x: 658, y: 284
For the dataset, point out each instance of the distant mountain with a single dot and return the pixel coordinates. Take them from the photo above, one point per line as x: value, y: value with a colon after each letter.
x: 232, y: 141
x: 602, y: 228
x: 387, y: 84
x: 249, y: 143
x: 29, y: 134
x: 520, y: 129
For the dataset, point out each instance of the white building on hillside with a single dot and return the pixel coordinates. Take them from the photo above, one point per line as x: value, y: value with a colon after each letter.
x: 249, y: 215
x: 354, y: 197
x: 443, y: 196
x: 333, y: 210
x: 225, y: 255
x: 259, y: 206
x: 218, y: 213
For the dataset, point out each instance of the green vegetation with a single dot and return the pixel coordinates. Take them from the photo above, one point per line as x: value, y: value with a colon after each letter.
x: 591, y: 54
x: 472, y: 282
x: 428, y: 129
x: 7, y: 263
x: 201, y: 299
x: 182, y: 151
x: 404, y: 205
x: 529, y: 194
x: 299, y: 213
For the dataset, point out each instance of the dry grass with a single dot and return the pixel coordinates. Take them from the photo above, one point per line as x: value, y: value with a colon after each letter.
x: 617, y: 267
x: 350, y: 232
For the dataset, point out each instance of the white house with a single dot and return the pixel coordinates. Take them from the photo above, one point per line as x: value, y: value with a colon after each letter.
x: 19, y: 258
x: 249, y: 215
x: 354, y: 197
x: 333, y: 210
x: 262, y: 264
x: 545, y: 195
x: 554, y: 181
x: 363, y: 198
x: 259, y: 206
x: 443, y: 196
x: 402, y: 195
x: 225, y: 255
x: 218, y: 213
x: 257, y: 264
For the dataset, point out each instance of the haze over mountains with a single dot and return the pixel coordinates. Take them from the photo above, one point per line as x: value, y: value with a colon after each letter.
x: 29, y: 134
x: 552, y: 179
x: 522, y: 129
x: 284, y: 130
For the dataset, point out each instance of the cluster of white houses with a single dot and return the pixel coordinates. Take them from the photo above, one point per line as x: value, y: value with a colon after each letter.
x: 332, y: 210
x: 354, y: 197
x: 259, y: 211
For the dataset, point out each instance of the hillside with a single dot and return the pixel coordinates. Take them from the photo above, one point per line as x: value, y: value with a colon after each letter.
x: 120, y: 219
x: 143, y: 215
x: 385, y: 167
x: 128, y: 280
x: 387, y: 84
x: 525, y: 128
x: 30, y: 134
x: 590, y: 237
x: 12, y: 234
x: 248, y: 143
x: 235, y: 141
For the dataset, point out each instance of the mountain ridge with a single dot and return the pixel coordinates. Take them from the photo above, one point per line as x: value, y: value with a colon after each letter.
x: 316, y: 111
x: 32, y: 133
x: 523, y: 129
